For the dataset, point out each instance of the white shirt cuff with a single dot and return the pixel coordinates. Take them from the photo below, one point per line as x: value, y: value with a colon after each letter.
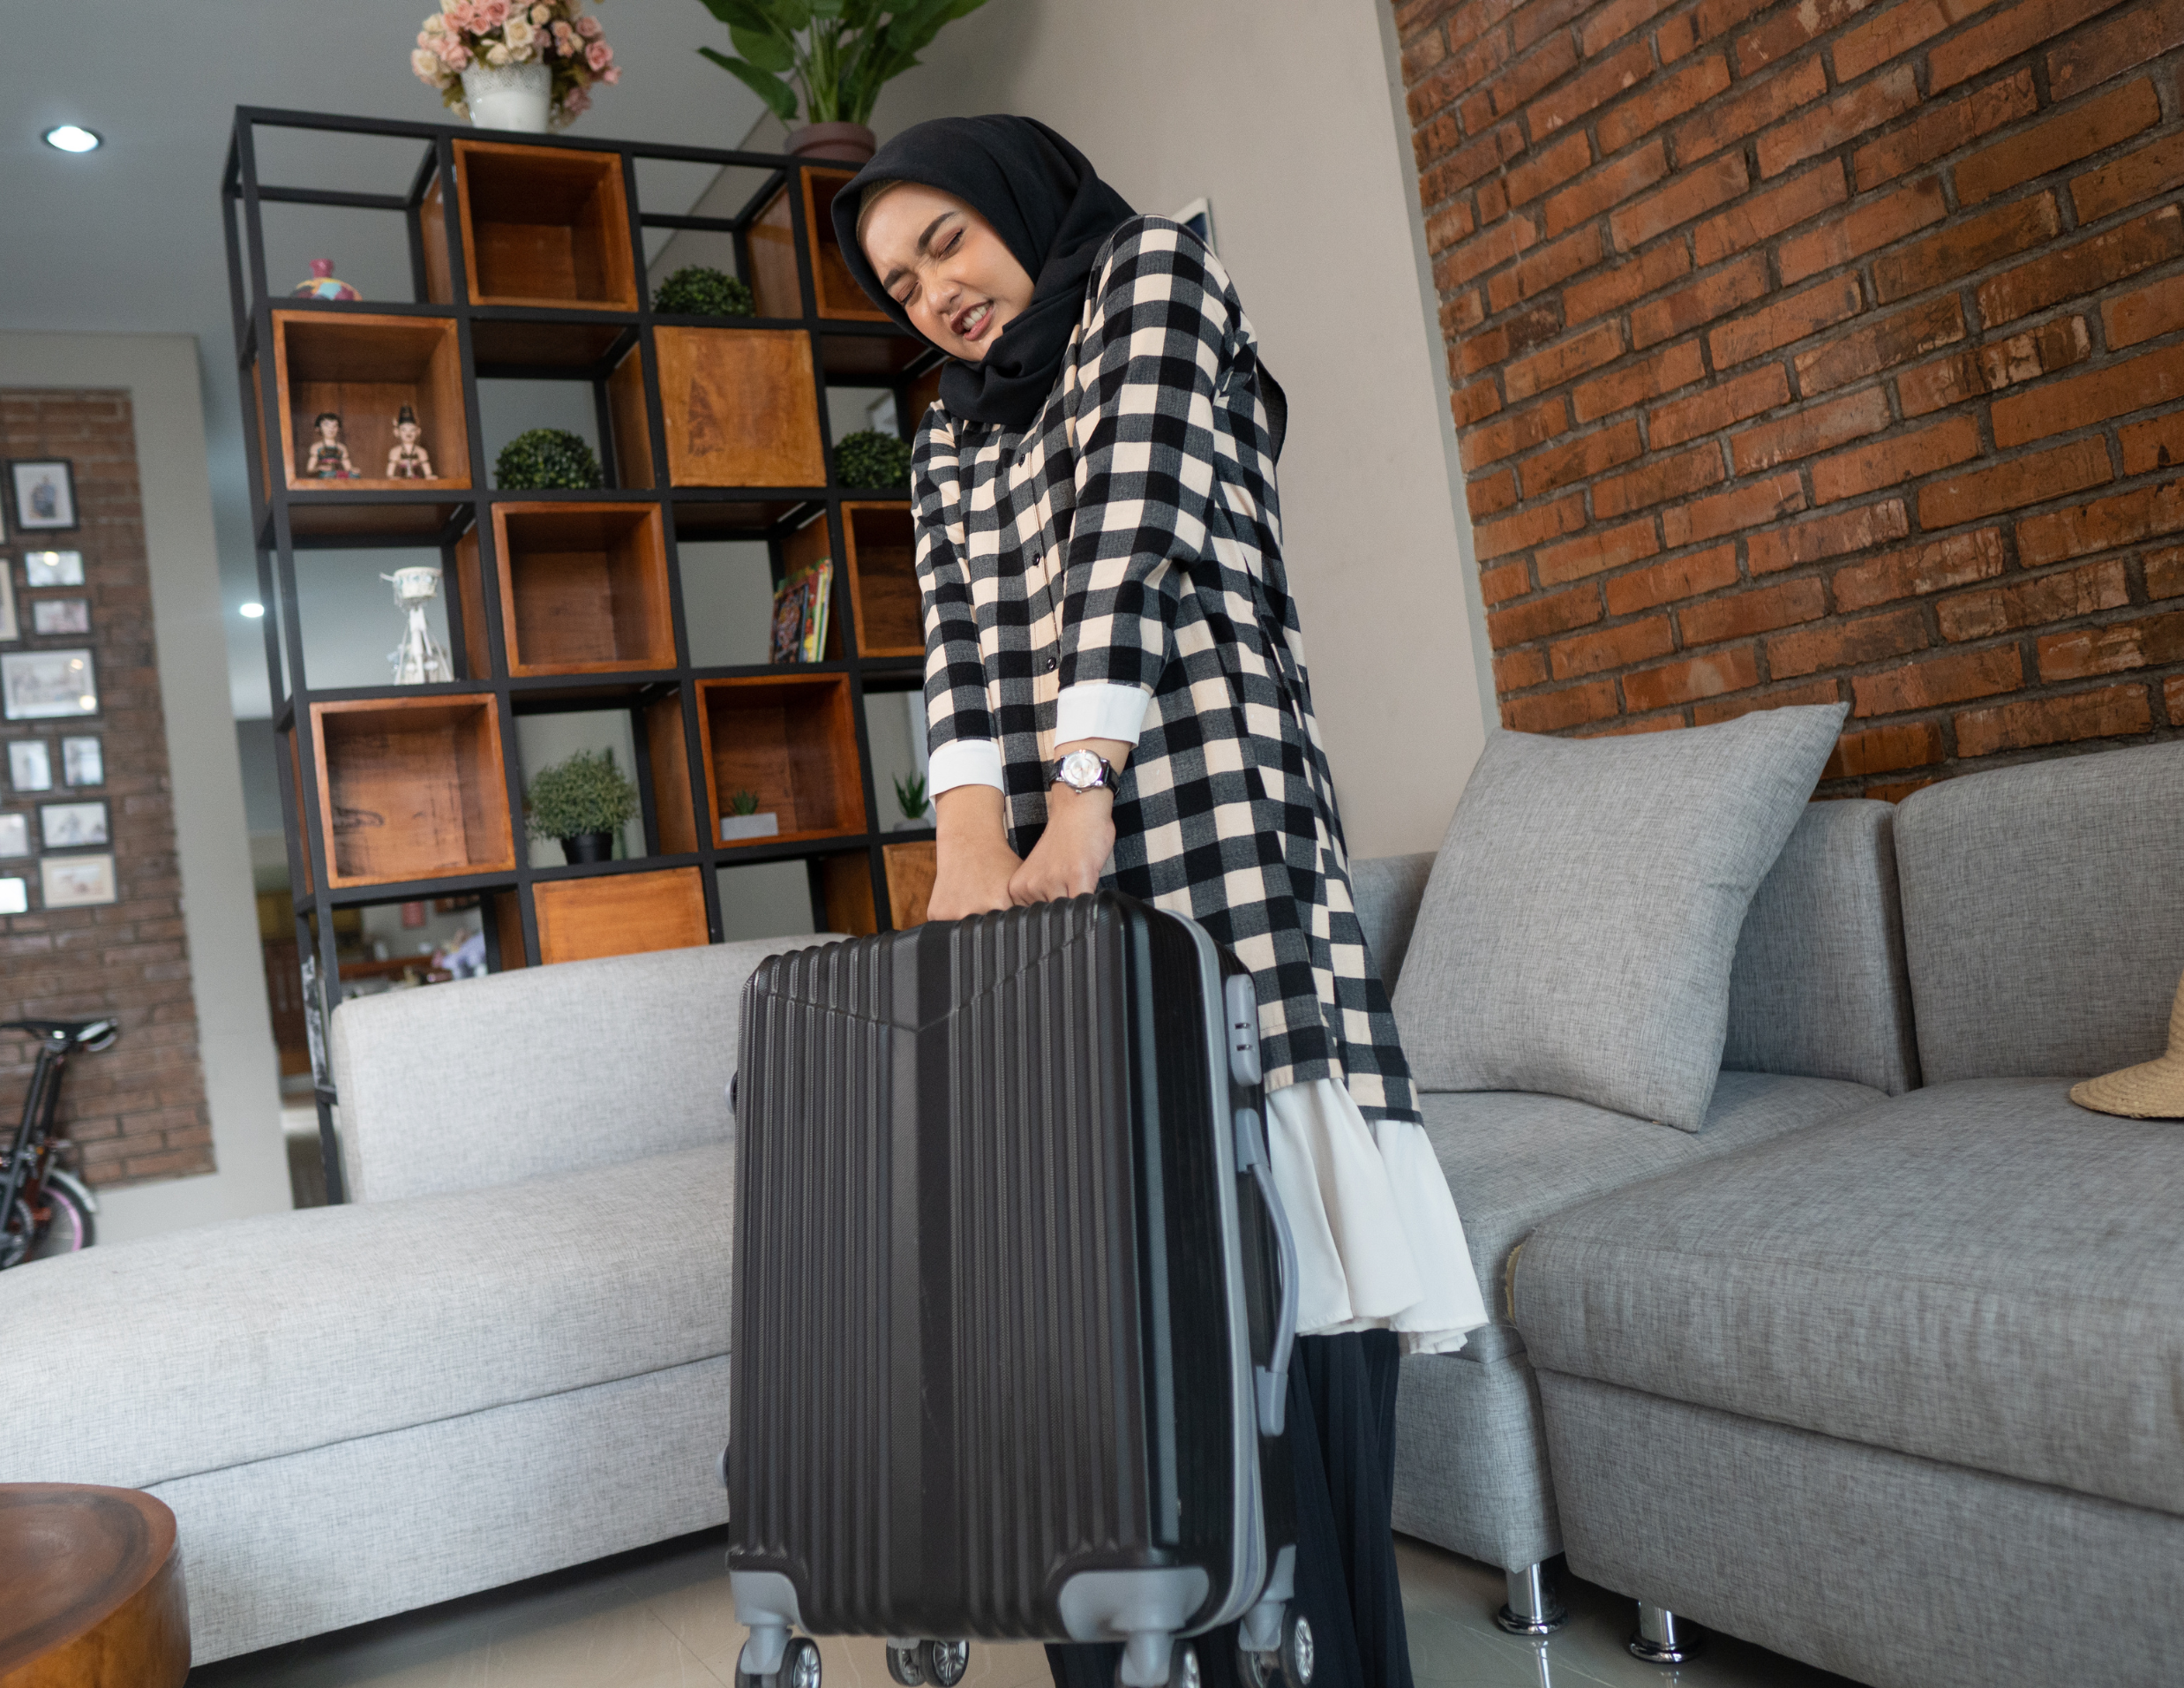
x: 1097, y: 710
x: 965, y: 762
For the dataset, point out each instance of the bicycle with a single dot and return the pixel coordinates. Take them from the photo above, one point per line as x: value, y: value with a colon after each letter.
x: 45, y: 1209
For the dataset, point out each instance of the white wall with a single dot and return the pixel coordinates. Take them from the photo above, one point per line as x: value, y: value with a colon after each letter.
x: 220, y: 917
x: 1285, y: 115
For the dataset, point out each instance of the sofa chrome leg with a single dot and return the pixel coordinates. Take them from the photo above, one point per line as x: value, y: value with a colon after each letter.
x: 1662, y: 1637
x: 1533, y: 1609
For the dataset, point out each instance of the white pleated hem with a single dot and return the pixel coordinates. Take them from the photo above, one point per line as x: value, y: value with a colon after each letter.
x: 1380, y: 1246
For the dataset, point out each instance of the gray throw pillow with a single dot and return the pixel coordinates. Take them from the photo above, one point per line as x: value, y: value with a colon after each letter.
x: 1577, y: 934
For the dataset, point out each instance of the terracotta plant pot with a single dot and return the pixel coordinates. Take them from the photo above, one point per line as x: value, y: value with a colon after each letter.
x: 589, y: 846
x: 850, y: 143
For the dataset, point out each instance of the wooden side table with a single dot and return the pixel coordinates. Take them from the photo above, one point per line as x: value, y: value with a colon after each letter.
x: 91, y: 1591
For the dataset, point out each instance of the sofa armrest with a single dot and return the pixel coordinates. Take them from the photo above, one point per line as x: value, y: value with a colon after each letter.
x: 1387, y: 889
x: 544, y: 1069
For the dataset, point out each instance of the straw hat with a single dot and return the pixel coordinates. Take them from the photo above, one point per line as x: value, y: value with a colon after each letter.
x: 2152, y: 1090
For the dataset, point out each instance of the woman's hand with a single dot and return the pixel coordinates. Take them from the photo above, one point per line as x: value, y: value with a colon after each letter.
x: 1071, y: 854
x: 1068, y: 859
x: 972, y: 863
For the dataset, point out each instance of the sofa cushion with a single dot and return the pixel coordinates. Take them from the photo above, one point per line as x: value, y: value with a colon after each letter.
x: 212, y: 1348
x: 2044, y: 914
x: 1577, y: 934
x: 454, y: 1087
x: 1980, y: 1272
x: 1513, y: 1159
x: 1387, y: 889
x: 1819, y: 985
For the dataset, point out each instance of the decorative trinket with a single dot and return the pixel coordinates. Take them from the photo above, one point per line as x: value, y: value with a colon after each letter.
x: 409, y: 460
x: 329, y: 458
x: 323, y: 284
x: 420, y: 659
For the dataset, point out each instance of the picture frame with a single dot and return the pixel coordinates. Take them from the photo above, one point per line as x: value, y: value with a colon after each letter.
x: 14, y: 835
x: 83, y: 762
x: 14, y: 896
x: 58, y: 618
x: 76, y: 882
x: 9, y: 628
x: 53, y: 567
x: 74, y: 826
x: 42, y: 494
x: 48, y: 685
x: 30, y: 765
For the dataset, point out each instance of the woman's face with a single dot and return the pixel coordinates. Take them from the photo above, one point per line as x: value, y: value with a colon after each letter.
x: 944, y: 265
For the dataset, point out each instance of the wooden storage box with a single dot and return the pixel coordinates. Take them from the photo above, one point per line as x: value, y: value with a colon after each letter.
x: 910, y: 867
x: 771, y: 241
x: 741, y: 407
x: 883, y: 579
x: 620, y: 914
x: 411, y: 788
x: 583, y: 587
x: 541, y: 226
x: 364, y: 369
x: 792, y: 740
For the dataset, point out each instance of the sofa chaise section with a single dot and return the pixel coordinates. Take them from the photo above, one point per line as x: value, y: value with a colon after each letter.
x: 1893, y: 1395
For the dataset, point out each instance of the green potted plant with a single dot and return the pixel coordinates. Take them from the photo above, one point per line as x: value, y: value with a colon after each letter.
x: 744, y: 823
x: 911, y: 798
x: 584, y: 801
x: 839, y: 54
x: 546, y: 459
x: 872, y: 459
x: 696, y: 290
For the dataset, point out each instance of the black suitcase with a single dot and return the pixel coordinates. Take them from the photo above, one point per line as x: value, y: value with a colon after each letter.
x: 1010, y: 1337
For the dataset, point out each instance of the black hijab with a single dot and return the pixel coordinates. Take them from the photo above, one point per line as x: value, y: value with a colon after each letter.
x: 1050, y: 209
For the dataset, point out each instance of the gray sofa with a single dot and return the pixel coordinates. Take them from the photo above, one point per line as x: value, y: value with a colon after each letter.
x: 1819, y: 1028
x: 508, y: 1355
x: 1884, y: 1367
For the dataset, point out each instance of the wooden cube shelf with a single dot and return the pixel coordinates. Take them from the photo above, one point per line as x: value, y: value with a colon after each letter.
x: 620, y: 914
x: 883, y: 579
x: 583, y: 587
x: 792, y: 740
x: 811, y: 544
x: 411, y: 788
x: 633, y: 428
x: 741, y: 407
x: 364, y: 369
x: 772, y: 244
x: 674, y: 812
x: 845, y: 888
x: 541, y: 226
x: 909, y: 870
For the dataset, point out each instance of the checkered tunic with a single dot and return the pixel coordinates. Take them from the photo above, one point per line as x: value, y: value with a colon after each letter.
x: 1131, y: 535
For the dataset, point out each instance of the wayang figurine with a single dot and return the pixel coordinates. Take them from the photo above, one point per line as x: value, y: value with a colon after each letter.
x: 329, y: 457
x: 409, y: 460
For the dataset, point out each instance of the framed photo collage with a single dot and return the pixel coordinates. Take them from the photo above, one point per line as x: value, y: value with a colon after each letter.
x: 55, y: 824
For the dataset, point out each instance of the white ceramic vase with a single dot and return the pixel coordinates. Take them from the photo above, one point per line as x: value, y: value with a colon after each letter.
x: 513, y: 96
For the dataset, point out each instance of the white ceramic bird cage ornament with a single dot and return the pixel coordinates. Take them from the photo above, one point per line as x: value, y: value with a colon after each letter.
x: 420, y: 659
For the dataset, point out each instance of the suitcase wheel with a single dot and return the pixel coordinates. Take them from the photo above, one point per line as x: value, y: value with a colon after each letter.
x: 1292, y: 1660
x: 944, y: 1662
x: 1182, y: 1669
x: 903, y: 1664
x: 800, y: 1667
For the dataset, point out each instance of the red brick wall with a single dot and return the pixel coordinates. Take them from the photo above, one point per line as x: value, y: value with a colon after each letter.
x: 137, y: 1111
x: 1815, y: 351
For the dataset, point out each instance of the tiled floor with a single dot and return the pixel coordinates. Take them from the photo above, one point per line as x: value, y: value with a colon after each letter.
x: 662, y: 1618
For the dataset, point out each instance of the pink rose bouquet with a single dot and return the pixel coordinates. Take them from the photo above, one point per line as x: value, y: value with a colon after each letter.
x: 497, y: 33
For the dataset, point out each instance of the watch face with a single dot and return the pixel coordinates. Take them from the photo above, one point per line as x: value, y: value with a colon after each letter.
x: 1080, y: 768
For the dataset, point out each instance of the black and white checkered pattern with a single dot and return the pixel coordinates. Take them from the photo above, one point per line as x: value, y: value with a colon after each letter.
x: 1131, y: 535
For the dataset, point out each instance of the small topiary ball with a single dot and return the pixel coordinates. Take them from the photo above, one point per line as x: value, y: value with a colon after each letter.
x: 872, y: 459
x: 547, y: 458
x: 697, y: 291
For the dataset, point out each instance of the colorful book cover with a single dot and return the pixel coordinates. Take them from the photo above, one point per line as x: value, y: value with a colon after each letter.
x: 787, y: 643
x: 819, y: 586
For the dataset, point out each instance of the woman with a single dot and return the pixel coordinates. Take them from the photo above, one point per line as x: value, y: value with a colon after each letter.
x: 1116, y: 694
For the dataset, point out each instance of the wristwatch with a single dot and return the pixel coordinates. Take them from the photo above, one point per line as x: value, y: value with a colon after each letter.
x: 1081, y: 770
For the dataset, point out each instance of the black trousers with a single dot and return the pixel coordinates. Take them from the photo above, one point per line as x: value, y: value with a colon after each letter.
x: 1342, y: 1434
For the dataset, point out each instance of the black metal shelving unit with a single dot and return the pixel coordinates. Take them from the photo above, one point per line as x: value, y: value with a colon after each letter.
x: 582, y: 343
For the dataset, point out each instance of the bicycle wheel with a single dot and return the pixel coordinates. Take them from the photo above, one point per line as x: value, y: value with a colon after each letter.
x: 18, y: 1230
x: 69, y: 1226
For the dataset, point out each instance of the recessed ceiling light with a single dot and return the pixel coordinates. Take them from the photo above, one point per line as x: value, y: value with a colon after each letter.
x: 252, y: 611
x: 73, y: 137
